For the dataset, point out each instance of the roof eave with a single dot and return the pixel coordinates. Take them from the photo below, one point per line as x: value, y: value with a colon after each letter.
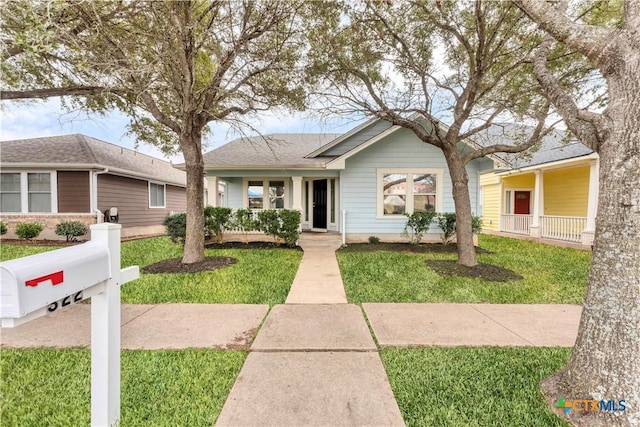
x: 89, y: 166
x: 550, y: 165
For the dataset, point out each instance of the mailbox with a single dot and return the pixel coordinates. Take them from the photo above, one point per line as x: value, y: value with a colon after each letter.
x: 51, y: 279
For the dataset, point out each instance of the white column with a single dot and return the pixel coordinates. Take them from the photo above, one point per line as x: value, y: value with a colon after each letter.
x: 212, y: 191
x: 538, y: 205
x: 297, y: 193
x: 105, y: 335
x: 592, y: 204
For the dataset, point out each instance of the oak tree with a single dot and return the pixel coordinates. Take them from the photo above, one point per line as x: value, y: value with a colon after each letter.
x: 171, y: 66
x: 605, y: 362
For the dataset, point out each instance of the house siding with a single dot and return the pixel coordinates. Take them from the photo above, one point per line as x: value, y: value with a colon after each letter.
x: 566, y: 192
x: 399, y: 150
x: 490, y: 184
x: 74, y: 194
x: 357, y: 139
x: 131, y: 197
x: 520, y: 181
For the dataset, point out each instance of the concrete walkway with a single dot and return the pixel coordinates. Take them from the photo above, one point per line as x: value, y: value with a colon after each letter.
x: 314, y: 360
x: 318, y: 279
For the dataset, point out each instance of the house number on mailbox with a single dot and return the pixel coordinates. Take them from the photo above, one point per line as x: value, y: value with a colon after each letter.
x: 65, y: 301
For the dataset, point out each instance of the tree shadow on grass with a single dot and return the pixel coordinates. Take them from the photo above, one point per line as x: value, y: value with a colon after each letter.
x: 175, y: 265
x: 488, y: 272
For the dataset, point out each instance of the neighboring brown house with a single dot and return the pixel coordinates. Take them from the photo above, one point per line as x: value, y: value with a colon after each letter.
x: 76, y: 178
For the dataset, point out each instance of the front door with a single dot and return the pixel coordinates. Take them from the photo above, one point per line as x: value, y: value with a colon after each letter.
x: 522, y: 202
x: 320, y: 204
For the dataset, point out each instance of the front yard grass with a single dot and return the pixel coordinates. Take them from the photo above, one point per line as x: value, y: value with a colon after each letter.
x: 463, y: 386
x: 551, y: 275
x: 162, y: 388
x: 261, y: 276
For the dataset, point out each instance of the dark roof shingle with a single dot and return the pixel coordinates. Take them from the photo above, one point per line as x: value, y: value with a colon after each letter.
x: 84, y: 151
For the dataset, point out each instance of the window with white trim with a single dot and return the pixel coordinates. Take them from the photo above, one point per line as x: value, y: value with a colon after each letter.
x: 266, y: 193
x: 28, y: 192
x: 156, y: 195
x: 10, y: 195
x: 404, y: 191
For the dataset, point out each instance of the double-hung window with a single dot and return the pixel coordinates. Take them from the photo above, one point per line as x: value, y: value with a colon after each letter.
x: 28, y: 192
x: 156, y: 195
x: 405, y: 191
x: 266, y: 194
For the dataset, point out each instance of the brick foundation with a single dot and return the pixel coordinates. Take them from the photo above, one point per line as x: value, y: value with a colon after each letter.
x: 48, y: 223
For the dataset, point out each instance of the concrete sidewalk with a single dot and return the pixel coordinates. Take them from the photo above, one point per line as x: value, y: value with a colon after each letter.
x: 318, y: 279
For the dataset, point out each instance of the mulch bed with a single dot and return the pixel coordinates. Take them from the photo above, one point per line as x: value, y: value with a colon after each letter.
x: 438, y: 248
x: 250, y: 245
x: 488, y: 272
x: 175, y: 265
x: 38, y: 242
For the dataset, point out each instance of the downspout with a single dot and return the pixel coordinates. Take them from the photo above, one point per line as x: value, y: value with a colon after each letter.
x: 94, y: 194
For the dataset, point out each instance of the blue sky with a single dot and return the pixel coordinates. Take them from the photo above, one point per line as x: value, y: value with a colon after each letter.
x: 21, y: 120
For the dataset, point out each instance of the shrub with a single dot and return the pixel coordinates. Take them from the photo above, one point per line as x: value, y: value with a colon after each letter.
x: 3, y: 227
x: 243, y: 221
x: 176, y: 227
x: 374, y: 240
x: 216, y: 221
x: 289, y: 226
x: 28, y: 230
x: 269, y: 223
x: 447, y: 223
x: 418, y: 224
x: 71, y: 230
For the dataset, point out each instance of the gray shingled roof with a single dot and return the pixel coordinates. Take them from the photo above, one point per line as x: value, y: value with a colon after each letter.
x: 552, y: 149
x: 277, y: 150
x: 86, y: 152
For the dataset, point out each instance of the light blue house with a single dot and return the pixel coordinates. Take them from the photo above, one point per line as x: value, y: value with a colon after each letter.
x: 360, y: 183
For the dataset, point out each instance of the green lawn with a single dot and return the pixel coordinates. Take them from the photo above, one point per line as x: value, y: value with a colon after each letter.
x: 551, y: 275
x: 261, y: 276
x: 43, y: 387
x: 464, y: 386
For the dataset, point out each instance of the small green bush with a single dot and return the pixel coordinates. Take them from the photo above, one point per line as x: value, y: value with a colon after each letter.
x: 71, y: 230
x: 243, y: 222
x: 374, y: 240
x: 418, y: 224
x: 269, y: 223
x: 28, y: 230
x: 216, y: 221
x: 289, y: 226
x: 447, y: 223
x: 176, y: 227
x: 3, y: 227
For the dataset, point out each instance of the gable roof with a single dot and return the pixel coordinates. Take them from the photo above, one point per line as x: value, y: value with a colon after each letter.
x: 83, y: 152
x: 553, y: 147
x: 270, y: 151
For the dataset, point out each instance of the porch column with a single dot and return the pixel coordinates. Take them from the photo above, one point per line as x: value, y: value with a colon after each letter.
x: 500, y: 203
x: 538, y: 204
x: 592, y: 204
x: 212, y: 191
x: 297, y: 193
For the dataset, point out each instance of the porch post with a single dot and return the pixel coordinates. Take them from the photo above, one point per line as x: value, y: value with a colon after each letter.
x: 500, y: 200
x: 538, y: 204
x: 592, y: 206
x: 297, y: 193
x: 212, y: 191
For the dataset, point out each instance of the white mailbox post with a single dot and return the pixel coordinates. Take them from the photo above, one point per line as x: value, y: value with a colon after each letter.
x: 33, y: 286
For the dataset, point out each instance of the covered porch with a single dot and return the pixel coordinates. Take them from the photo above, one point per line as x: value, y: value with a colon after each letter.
x: 314, y: 193
x: 552, y: 201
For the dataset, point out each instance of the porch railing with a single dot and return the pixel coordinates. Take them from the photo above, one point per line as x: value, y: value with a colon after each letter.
x: 568, y: 228
x: 254, y: 217
x: 517, y: 224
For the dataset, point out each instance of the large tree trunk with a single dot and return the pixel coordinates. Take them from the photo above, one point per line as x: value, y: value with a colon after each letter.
x: 605, y: 363
x: 194, y: 241
x: 462, y: 202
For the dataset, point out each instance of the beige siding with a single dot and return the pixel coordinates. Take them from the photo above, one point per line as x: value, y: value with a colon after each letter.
x: 73, y: 192
x: 131, y: 197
